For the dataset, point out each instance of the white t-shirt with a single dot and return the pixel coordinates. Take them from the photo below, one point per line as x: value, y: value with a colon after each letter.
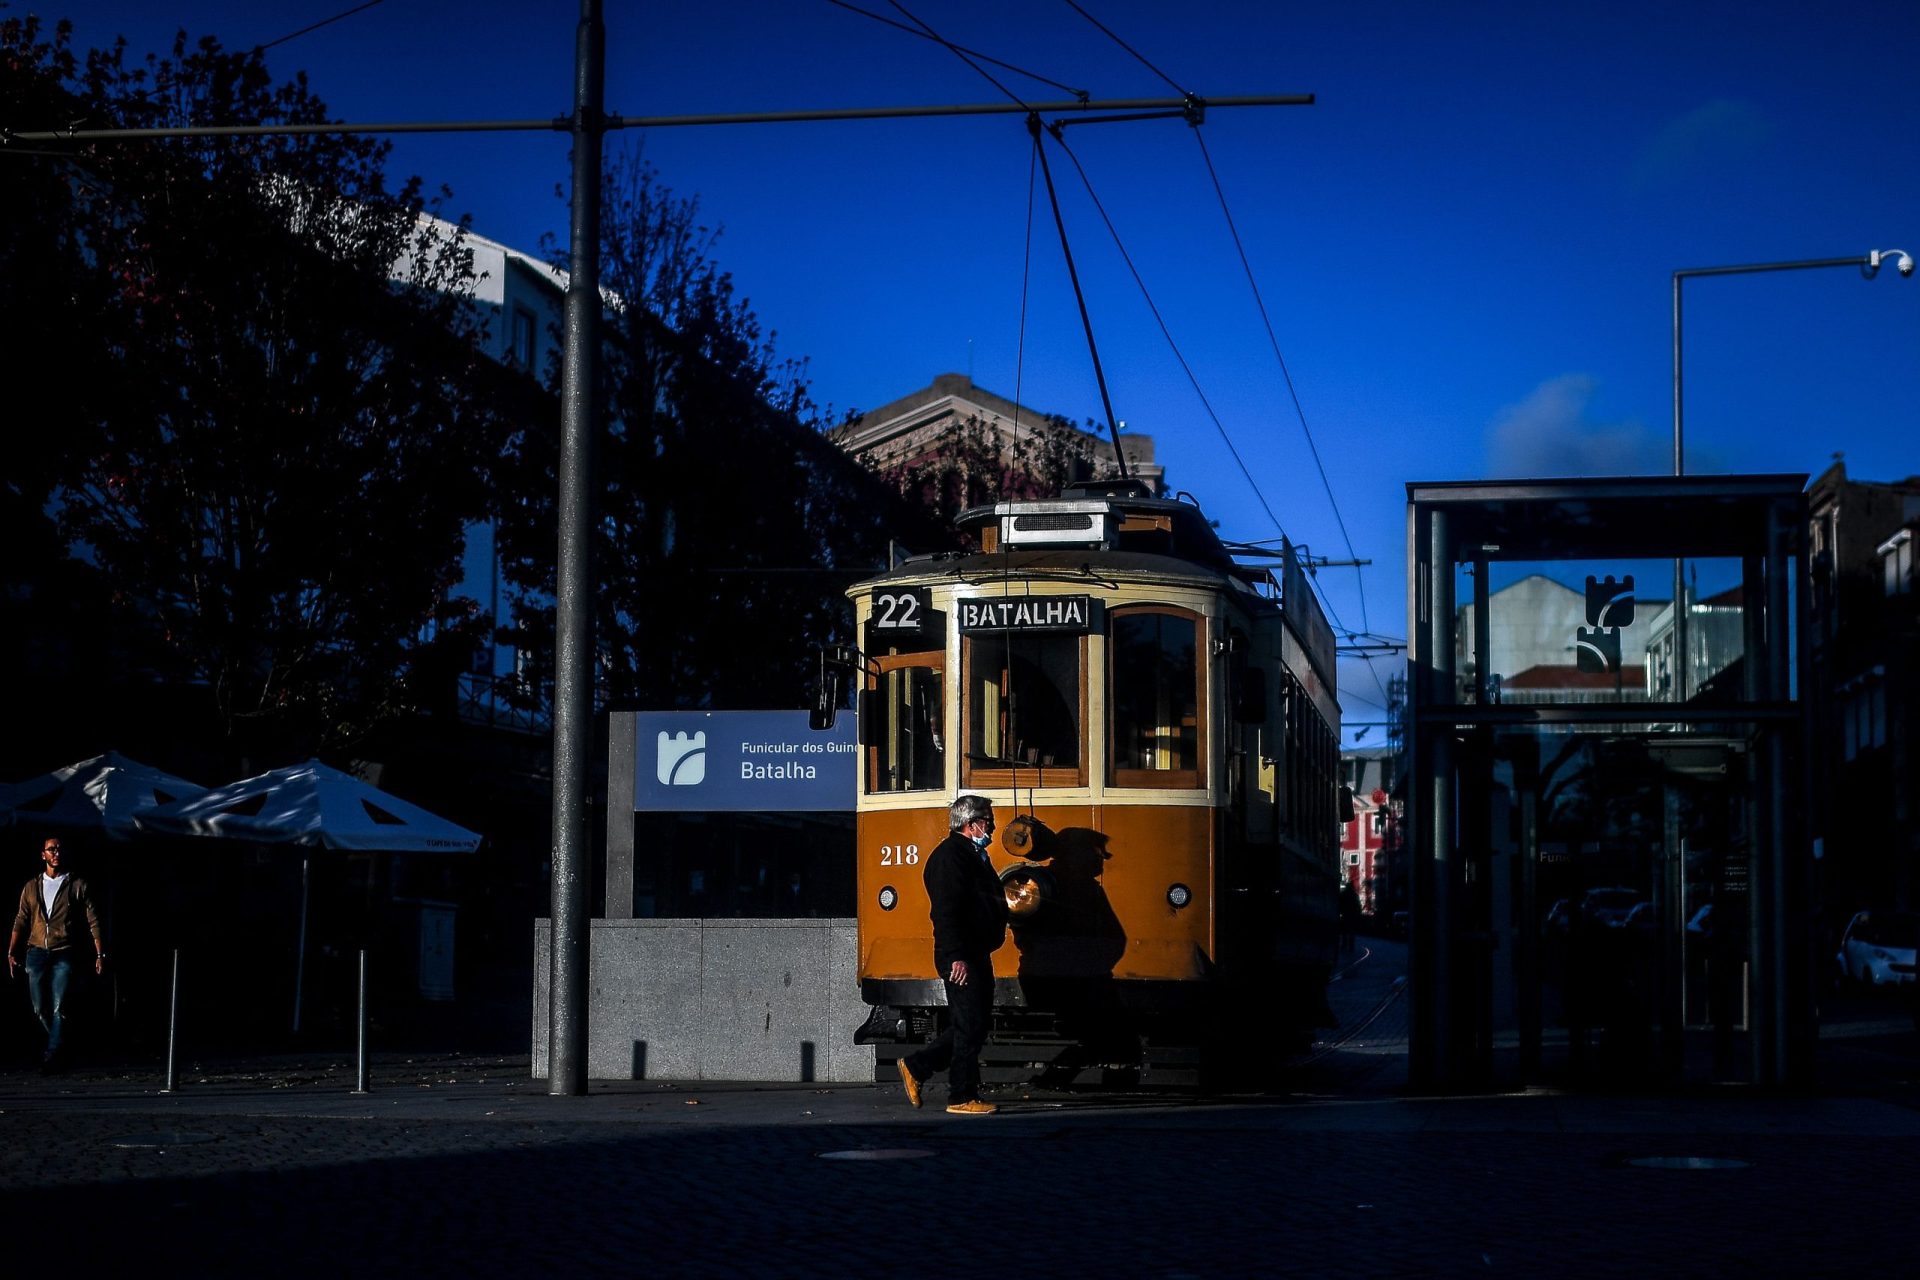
x: 50, y: 888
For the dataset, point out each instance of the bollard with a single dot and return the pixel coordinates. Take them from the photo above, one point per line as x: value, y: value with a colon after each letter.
x: 173, y: 1026
x: 360, y: 1076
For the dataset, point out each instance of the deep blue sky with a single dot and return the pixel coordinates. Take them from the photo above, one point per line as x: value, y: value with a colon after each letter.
x: 1465, y: 246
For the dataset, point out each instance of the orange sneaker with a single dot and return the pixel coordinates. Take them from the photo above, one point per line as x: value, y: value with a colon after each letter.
x: 907, y: 1080
x: 974, y: 1108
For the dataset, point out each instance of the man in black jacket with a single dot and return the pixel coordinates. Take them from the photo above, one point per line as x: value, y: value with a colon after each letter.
x: 969, y: 924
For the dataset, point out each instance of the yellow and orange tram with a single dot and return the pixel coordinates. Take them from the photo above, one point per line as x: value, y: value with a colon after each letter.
x: 1156, y: 725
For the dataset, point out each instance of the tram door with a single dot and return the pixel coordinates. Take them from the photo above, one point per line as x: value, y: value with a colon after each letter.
x: 1611, y: 873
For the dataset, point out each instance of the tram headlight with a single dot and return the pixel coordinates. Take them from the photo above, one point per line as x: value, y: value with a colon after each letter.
x: 889, y: 899
x: 1178, y: 896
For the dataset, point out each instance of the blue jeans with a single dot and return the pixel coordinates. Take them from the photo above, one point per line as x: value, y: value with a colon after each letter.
x: 47, y: 976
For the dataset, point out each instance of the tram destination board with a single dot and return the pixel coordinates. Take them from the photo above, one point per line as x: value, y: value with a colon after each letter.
x: 1077, y: 614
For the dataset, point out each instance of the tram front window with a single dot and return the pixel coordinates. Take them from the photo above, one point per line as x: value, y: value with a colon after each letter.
x: 1154, y: 698
x: 1024, y: 709
x: 909, y: 752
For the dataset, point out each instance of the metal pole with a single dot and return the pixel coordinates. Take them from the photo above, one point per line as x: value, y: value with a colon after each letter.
x: 562, y: 124
x: 173, y: 1027
x: 360, y: 1074
x: 1678, y: 671
x: 300, y: 957
x: 1679, y: 453
x: 573, y: 677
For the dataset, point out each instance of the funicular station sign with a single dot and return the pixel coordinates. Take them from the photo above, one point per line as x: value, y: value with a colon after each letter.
x: 1608, y: 782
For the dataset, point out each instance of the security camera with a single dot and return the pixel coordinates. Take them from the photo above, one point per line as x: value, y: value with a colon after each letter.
x: 1902, y: 260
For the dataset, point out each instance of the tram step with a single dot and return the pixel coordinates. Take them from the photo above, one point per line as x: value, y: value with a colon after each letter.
x: 1054, y: 1064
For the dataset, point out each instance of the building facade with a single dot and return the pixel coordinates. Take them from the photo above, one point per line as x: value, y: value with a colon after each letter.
x: 520, y: 302
x: 1864, y: 638
x: 1368, y: 774
x: 953, y: 418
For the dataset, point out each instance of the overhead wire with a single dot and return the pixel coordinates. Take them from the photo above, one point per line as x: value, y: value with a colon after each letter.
x: 958, y: 52
x: 1026, y: 273
x: 1286, y: 374
x: 918, y: 34
x: 1166, y: 333
x: 1360, y: 580
x: 1102, y: 27
x: 1147, y: 295
x: 1260, y: 302
x: 324, y: 22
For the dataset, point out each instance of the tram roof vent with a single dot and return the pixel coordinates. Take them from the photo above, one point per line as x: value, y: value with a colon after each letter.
x: 1060, y: 523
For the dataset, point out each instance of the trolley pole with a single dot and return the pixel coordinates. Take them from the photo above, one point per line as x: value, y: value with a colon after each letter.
x: 573, y: 684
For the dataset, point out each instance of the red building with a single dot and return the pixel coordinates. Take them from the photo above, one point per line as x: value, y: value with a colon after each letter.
x: 1364, y: 840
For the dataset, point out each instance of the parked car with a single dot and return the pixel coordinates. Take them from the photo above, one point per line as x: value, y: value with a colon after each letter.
x: 1878, y: 947
x: 1609, y: 907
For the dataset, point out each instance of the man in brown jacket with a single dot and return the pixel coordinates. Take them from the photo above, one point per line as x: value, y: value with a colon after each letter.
x: 49, y: 904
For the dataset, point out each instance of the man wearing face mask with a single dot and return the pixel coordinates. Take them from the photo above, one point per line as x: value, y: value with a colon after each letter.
x: 969, y: 924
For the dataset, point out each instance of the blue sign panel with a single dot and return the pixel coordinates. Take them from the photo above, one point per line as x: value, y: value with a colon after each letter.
x: 743, y: 762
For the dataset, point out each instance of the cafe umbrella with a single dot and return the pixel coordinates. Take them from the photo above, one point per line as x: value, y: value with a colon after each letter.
x: 99, y: 795
x: 310, y: 805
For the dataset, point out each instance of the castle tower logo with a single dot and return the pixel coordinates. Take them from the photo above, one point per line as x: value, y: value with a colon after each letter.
x: 682, y: 760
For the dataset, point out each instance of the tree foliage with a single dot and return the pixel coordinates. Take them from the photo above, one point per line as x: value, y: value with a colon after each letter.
x: 273, y: 418
x: 727, y: 525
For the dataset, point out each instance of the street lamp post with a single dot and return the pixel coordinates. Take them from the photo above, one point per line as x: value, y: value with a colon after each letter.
x: 1869, y: 265
x: 1767, y: 941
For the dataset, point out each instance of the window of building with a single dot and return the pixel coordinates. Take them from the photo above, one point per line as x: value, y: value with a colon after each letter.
x: 1863, y: 714
x: 1896, y: 558
x: 521, y: 353
x: 1025, y: 710
x: 1153, y: 697
x: 907, y: 749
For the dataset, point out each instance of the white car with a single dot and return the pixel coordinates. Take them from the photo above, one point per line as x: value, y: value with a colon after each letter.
x: 1878, y: 947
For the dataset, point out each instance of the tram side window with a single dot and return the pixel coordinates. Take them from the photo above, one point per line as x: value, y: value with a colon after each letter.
x: 1024, y: 710
x: 1154, y: 698
x: 1312, y: 772
x: 907, y: 750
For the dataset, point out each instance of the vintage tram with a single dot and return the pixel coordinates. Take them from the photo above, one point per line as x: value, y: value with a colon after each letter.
x: 1156, y: 725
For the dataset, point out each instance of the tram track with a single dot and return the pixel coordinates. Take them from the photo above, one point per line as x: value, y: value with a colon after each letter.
x: 1347, y: 1035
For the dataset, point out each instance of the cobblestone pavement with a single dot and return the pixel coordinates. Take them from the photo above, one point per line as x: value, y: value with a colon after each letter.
x: 461, y: 1167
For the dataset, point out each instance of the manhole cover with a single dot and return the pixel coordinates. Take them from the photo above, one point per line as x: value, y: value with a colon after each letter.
x: 164, y: 1139
x: 1687, y: 1162
x: 878, y: 1153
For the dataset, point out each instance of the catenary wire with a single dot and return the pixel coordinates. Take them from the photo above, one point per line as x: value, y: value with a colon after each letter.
x: 1166, y: 333
x: 1026, y: 270
x: 1141, y: 283
x: 1285, y: 373
x: 957, y: 52
x: 1129, y: 48
x: 324, y: 22
x: 1260, y: 302
x: 1206, y: 404
x: 882, y: 18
